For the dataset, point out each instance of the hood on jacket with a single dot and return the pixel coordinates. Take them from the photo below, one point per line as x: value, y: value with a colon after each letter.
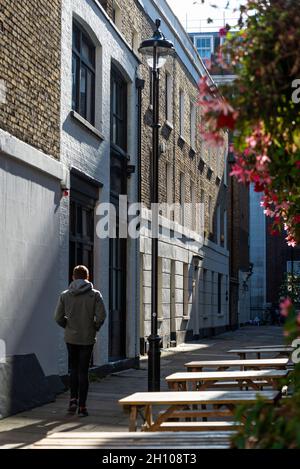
x: 80, y: 286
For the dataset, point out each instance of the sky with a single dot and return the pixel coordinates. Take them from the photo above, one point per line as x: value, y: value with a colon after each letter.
x: 193, y: 14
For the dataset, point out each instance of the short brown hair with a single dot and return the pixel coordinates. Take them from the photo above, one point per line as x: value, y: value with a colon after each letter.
x: 81, y: 272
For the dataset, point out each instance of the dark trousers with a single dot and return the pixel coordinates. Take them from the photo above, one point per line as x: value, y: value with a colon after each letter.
x: 79, y: 361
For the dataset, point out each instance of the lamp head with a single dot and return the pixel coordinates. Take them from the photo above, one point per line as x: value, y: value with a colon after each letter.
x: 157, y: 48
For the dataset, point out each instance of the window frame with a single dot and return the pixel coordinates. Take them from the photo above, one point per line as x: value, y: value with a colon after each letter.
x: 181, y: 113
x: 182, y: 196
x: 193, y: 116
x: 169, y: 98
x: 121, y: 119
x: 211, y: 38
x: 90, y: 66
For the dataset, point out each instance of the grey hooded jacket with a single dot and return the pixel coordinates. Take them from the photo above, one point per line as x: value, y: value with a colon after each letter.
x: 80, y: 311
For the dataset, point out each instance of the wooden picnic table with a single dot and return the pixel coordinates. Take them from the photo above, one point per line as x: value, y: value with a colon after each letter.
x: 200, y: 381
x: 278, y: 363
x: 177, y: 405
x: 279, y: 351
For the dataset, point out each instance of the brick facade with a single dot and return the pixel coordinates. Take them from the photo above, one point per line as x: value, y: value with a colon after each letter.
x: 238, y: 236
x: 30, y: 69
x: 177, y: 152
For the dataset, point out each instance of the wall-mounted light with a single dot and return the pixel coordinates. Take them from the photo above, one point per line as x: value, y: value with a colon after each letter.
x: 130, y: 170
x: 247, y: 275
x: 196, y: 261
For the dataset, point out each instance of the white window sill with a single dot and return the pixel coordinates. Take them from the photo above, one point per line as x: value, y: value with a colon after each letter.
x: 169, y: 125
x: 185, y: 318
x: 86, y: 124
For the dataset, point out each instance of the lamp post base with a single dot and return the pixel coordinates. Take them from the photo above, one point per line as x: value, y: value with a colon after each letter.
x: 154, y: 363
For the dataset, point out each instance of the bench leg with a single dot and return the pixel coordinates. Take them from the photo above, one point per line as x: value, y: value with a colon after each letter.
x: 132, y: 419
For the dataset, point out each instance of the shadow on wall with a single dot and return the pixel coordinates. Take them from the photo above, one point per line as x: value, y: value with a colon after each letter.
x: 30, y: 253
x: 23, y: 385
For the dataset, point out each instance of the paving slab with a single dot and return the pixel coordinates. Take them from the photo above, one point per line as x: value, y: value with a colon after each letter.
x: 106, y: 415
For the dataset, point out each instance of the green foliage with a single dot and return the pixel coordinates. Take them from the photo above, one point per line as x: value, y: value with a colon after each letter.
x: 290, y: 288
x: 272, y: 427
x: 264, y: 55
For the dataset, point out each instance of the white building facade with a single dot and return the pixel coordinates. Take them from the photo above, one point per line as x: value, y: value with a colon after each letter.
x: 98, y: 143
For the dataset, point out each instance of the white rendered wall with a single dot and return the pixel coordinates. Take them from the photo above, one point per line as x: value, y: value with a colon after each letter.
x: 29, y: 258
x: 88, y: 153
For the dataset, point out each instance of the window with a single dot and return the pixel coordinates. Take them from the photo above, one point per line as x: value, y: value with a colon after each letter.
x: 83, y: 75
x: 210, y: 213
x: 225, y: 229
x: 204, y: 46
x: 209, y: 155
x: 220, y: 279
x: 169, y: 98
x: 182, y: 198
x: 169, y: 178
x: 118, y: 110
x: 204, y: 292
x: 218, y: 224
x: 181, y: 114
x: 192, y: 206
x: 117, y: 16
x: 202, y: 213
x: 202, y: 196
x: 159, y: 289
x: 193, y: 126
x: 135, y: 41
x: 212, y: 291
x: 185, y: 290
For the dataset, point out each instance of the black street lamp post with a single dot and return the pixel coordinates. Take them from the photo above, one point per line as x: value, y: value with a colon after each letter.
x: 156, y: 49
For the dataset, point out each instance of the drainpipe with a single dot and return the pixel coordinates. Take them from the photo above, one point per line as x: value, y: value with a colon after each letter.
x: 139, y: 84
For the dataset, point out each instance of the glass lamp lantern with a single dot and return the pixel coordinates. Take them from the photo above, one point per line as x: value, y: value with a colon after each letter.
x: 156, y: 49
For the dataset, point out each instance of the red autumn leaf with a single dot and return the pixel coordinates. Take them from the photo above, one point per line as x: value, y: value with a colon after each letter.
x: 226, y: 121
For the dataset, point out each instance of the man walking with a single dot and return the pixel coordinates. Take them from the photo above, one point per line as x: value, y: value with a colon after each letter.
x: 81, y: 312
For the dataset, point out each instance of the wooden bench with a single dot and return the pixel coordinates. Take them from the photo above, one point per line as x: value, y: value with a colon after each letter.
x: 200, y: 381
x: 279, y: 351
x: 199, y: 426
x: 177, y: 403
x: 140, y: 440
x: 220, y: 365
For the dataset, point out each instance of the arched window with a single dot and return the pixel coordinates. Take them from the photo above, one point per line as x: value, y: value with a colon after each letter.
x: 83, y: 74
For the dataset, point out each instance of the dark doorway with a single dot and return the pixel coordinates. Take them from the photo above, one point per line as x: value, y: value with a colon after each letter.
x: 83, y: 197
x: 81, y: 233
x: 117, y: 246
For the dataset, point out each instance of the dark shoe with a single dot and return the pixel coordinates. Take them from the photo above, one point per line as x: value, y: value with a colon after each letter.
x: 82, y: 412
x: 72, y: 406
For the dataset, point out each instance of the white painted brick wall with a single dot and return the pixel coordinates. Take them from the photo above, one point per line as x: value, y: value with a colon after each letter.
x: 80, y: 148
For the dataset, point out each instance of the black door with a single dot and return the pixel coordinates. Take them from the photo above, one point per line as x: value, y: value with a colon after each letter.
x: 117, y: 246
x: 81, y: 233
x: 83, y: 197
